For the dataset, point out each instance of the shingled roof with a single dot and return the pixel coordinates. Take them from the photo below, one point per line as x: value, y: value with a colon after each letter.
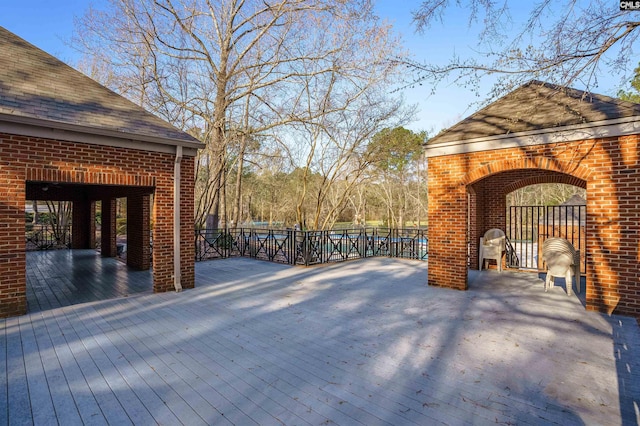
x: 573, y: 209
x: 38, y: 89
x: 537, y: 106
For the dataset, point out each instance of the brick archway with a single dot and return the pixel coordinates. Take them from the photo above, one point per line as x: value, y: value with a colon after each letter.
x: 84, y: 188
x: 547, y: 178
x: 556, y: 131
x: 557, y: 169
x: 467, y: 196
x: 103, y: 172
x: 487, y: 199
x: 488, y: 185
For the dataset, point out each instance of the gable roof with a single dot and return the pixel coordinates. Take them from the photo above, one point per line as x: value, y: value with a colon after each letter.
x: 575, y: 200
x: 571, y: 212
x: 538, y: 107
x: 37, y: 89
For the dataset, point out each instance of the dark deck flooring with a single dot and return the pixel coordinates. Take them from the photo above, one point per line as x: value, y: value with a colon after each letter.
x: 57, y: 278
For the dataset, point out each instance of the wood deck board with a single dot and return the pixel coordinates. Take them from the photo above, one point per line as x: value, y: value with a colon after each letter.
x: 58, y: 278
x: 364, y: 342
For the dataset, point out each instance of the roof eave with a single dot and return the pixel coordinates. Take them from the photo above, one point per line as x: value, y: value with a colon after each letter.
x: 593, y: 130
x: 49, y: 129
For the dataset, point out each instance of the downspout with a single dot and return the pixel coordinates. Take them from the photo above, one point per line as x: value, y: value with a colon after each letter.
x: 176, y: 219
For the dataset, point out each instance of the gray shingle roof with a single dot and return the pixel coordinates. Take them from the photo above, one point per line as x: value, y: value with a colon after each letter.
x: 536, y: 106
x: 572, y: 211
x: 36, y: 85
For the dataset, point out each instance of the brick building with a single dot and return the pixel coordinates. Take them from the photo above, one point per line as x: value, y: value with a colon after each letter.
x: 541, y: 133
x: 65, y: 137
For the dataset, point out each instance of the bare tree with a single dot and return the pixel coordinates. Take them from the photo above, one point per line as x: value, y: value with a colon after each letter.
x: 632, y: 95
x: 546, y: 194
x: 358, y: 203
x: 562, y: 42
x: 334, y: 145
x: 59, y: 221
x: 395, y: 154
x: 195, y: 61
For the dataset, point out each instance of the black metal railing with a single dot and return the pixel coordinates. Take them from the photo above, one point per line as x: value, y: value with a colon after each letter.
x: 529, y: 226
x: 47, y: 240
x: 296, y: 247
x: 512, y: 256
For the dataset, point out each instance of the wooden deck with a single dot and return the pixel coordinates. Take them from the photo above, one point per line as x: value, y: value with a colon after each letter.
x: 358, y: 343
x: 57, y: 278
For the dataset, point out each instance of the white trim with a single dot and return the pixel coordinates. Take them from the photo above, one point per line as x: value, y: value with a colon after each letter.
x: 26, y: 126
x: 600, y: 129
x: 177, y: 279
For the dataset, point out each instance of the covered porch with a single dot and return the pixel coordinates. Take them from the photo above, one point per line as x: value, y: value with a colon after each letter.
x: 57, y: 278
x: 66, y: 138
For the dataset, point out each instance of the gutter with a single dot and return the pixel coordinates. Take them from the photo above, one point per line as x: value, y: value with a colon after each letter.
x: 176, y: 219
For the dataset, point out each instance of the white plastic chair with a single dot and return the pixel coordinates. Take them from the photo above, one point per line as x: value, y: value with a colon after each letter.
x: 492, y: 245
x: 561, y: 260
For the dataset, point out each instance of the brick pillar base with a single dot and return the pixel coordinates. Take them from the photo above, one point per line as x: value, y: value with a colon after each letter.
x: 447, y: 236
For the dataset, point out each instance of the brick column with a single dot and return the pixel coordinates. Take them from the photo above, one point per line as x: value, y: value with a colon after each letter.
x: 84, y: 224
x: 13, y: 281
x: 187, y: 230
x: 108, y: 243
x: 163, y: 235
x: 163, y: 230
x: 475, y: 224
x: 138, y: 213
x: 488, y: 211
x: 447, y: 230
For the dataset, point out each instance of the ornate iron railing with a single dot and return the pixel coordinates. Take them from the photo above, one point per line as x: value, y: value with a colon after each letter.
x: 46, y: 240
x: 528, y: 226
x: 296, y: 247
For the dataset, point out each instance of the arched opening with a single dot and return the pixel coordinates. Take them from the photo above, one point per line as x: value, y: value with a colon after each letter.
x: 540, y: 211
x: 86, y: 242
x: 487, y: 207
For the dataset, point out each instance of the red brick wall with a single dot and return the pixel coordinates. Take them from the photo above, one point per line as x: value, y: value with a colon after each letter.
x: 163, y: 208
x: 163, y: 249
x: 36, y: 159
x: 13, y: 299
x: 608, y: 168
x: 447, y: 224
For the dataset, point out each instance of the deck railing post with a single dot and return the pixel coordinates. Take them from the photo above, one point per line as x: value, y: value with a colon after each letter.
x: 290, y: 247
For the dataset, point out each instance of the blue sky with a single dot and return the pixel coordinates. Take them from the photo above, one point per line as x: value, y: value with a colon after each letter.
x: 49, y: 25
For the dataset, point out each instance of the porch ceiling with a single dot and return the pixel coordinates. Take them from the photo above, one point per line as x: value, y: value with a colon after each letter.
x: 60, y: 191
